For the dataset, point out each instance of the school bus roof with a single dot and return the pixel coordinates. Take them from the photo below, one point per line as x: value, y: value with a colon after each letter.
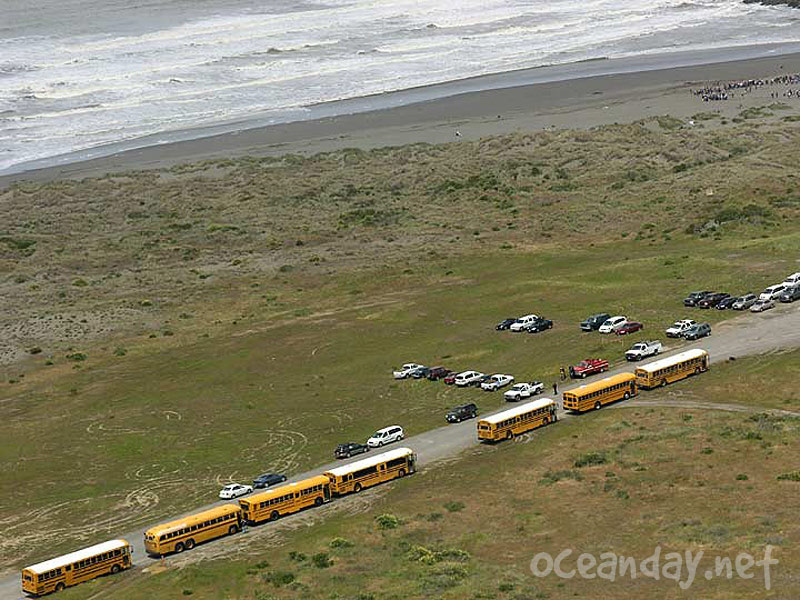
x: 517, y: 410
x: 189, y: 520
x: 284, y: 489
x: 72, y: 557
x: 590, y: 388
x: 369, y: 462
x: 662, y: 363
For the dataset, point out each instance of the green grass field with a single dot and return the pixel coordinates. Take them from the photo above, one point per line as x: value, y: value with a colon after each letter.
x: 185, y: 328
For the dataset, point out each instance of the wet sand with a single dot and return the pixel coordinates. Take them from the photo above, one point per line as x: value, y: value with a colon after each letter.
x: 580, y: 102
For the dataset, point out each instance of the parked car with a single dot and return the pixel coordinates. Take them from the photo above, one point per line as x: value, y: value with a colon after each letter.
x: 521, y: 391
x: 612, y: 324
x: 459, y: 413
x: 587, y: 367
x: 697, y: 331
x: 679, y: 327
x: 772, y: 292
x: 595, y: 321
x: 522, y: 323
x: 466, y: 378
x: 450, y: 378
x: 384, y: 436
x: 790, y: 294
x: 504, y: 324
x: 695, y: 297
x: 726, y: 303
x: 495, y: 382
x: 629, y: 327
x: 350, y: 449
x: 540, y: 324
x: 435, y: 373
x: 792, y: 280
x: 762, y: 305
x: 642, y: 350
x: 745, y: 302
x: 406, y: 370
x: 711, y: 300
x: 234, y: 490
x: 420, y: 373
x: 268, y: 479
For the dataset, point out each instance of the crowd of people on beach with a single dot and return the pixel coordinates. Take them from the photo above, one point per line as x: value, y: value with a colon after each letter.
x: 728, y: 90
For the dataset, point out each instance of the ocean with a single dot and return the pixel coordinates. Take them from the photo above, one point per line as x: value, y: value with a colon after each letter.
x: 77, y: 75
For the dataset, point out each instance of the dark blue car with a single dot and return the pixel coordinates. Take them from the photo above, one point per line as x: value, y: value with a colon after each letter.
x: 268, y: 479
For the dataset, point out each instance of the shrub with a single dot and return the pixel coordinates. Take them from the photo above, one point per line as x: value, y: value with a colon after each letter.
x: 339, y: 542
x: 454, y: 506
x: 297, y: 556
x: 551, y: 477
x: 321, y: 560
x: 278, y: 578
x: 35, y: 350
x: 590, y: 459
x: 793, y: 476
x: 120, y: 351
x: 742, y: 477
x: 79, y: 283
x: 387, y: 521
x: 77, y: 356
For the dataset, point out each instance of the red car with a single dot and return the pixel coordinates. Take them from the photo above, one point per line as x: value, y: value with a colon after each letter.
x: 587, y: 367
x: 630, y: 327
x: 451, y: 378
x: 439, y: 373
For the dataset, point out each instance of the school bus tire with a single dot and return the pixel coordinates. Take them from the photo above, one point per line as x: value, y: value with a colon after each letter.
x: 545, y: 421
x: 60, y: 586
x: 179, y: 547
x: 357, y: 488
x: 115, y: 569
x: 401, y: 473
x: 597, y: 405
x: 317, y: 501
x: 627, y: 395
x: 663, y: 383
x: 189, y: 544
x: 509, y: 435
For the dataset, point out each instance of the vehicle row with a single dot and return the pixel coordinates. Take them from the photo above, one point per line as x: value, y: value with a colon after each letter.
x: 605, y: 323
x: 688, y: 329
x: 786, y: 291
x: 530, y: 323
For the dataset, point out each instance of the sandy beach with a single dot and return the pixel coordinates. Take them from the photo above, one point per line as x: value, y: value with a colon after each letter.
x: 573, y: 96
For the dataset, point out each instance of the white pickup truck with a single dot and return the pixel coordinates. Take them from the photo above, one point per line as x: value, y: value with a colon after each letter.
x: 642, y: 350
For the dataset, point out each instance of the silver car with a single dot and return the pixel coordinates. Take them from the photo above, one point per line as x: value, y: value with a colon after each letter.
x: 744, y: 302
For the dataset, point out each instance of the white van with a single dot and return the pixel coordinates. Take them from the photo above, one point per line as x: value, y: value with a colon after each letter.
x: 523, y: 323
x: 772, y: 292
x: 792, y: 280
x: 384, y: 436
x: 612, y: 324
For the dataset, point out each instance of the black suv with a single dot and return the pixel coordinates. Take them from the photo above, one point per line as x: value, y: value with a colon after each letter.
x: 695, y: 297
x: 459, y: 413
x: 594, y: 322
x: 350, y: 449
x: 712, y: 300
x: 268, y: 479
x: 540, y: 324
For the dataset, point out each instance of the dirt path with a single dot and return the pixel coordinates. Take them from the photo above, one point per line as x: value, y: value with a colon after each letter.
x: 744, y: 335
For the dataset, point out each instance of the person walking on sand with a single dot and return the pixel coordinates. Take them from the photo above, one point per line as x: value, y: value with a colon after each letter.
x: 563, y: 373
x: 555, y: 388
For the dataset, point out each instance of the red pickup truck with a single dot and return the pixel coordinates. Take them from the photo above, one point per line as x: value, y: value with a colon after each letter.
x: 587, y: 367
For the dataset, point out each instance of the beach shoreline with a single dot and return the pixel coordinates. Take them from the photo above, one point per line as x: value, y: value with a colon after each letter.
x: 577, y: 95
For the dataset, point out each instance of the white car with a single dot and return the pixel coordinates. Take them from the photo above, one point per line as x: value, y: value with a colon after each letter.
x: 772, y: 292
x: 406, y: 370
x: 468, y: 378
x: 678, y: 327
x: 521, y: 391
x: 762, y: 305
x: 384, y: 436
x: 234, y: 490
x: 522, y: 323
x: 612, y: 324
x: 495, y: 382
x: 792, y: 280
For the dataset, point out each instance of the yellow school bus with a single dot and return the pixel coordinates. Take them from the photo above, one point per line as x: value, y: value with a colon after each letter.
x: 184, y: 534
x: 271, y: 505
x: 599, y: 393
x: 672, y: 368
x: 371, y: 471
x: 71, y: 569
x: 514, y: 421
